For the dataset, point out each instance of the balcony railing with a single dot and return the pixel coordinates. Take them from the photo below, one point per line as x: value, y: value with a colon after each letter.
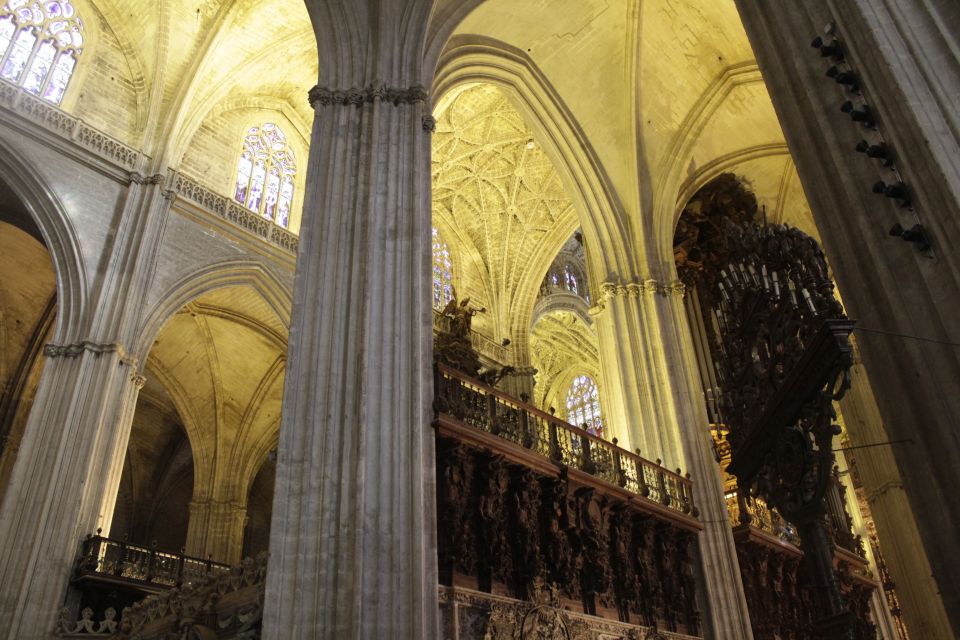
x: 117, y: 560
x: 756, y: 513
x: 477, y: 405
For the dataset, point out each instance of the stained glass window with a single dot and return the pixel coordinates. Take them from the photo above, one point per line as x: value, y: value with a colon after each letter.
x: 570, y: 279
x: 265, y: 173
x: 583, y: 405
x: 442, y: 272
x: 39, y: 45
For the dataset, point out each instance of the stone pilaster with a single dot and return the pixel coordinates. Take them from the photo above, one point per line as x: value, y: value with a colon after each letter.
x: 215, y: 530
x: 636, y: 389
x: 353, y: 537
x: 904, y: 56
x: 624, y: 351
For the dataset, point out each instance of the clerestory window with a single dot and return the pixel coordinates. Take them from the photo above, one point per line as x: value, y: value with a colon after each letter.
x: 40, y: 43
x: 442, y: 272
x: 266, y: 172
x: 583, y: 405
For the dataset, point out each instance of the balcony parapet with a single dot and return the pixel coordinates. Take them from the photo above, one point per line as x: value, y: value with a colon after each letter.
x: 226, y: 605
x: 221, y: 206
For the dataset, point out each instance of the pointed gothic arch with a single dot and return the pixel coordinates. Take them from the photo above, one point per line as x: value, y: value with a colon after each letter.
x: 59, y: 236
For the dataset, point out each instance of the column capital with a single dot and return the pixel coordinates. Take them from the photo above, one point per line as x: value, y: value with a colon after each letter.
x: 611, y: 290
x: 135, y: 177
x: 354, y: 96
x: 75, y: 349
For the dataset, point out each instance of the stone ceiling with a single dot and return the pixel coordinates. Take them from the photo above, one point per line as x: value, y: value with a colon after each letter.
x: 498, y: 202
x: 221, y: 360
x: 563, y: 347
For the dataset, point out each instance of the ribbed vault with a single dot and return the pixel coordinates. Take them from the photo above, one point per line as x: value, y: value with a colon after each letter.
x: 496, y: 195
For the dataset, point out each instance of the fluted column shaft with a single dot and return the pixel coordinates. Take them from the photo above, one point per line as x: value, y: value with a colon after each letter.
x: 67, y: 473
x: 726, y: 605
x: 653, y: 385
x: 631, y: 366
x: 353, y: 537
x: 900, y: 541
x: 63, y: 485
x: 352, y: 545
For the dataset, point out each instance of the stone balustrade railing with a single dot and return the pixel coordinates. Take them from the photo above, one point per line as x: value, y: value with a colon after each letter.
x: 15, y: 99
x: 234, y: 212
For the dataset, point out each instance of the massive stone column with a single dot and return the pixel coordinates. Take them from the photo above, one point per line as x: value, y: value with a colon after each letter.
x: 353, y: 537
x: 637, y: 398
x: 906, y: 301
x: 57, y: 492
x: 726, y: 605
x: 650, y: 369
x: 67, y: 472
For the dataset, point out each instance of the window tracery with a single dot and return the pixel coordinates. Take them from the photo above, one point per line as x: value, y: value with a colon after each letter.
x: 442, y: 272
x: 40, y: 43
x: 583, y: 405
x: 266, y: 172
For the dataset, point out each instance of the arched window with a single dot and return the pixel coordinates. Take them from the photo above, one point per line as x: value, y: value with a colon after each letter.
x: 39, y: 45
x: 442, y: 272
x: 265, y: 173
x: 583, y: 405
x: 570, y: 279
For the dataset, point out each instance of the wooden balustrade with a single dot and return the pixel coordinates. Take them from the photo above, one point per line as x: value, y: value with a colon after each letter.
x: 474, y: 404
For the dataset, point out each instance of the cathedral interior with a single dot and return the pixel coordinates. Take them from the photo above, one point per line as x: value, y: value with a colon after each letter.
x: 580, y: 319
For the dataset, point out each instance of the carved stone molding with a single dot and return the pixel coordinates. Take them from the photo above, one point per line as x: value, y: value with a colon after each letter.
x: 649, y: 286
x: 324, y: 96
x: 138, y: 178
x: 234, y: 212
x: 675, y: 288
x: 39, y: 111
x: 138, y: 380
x: 77, y: 348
